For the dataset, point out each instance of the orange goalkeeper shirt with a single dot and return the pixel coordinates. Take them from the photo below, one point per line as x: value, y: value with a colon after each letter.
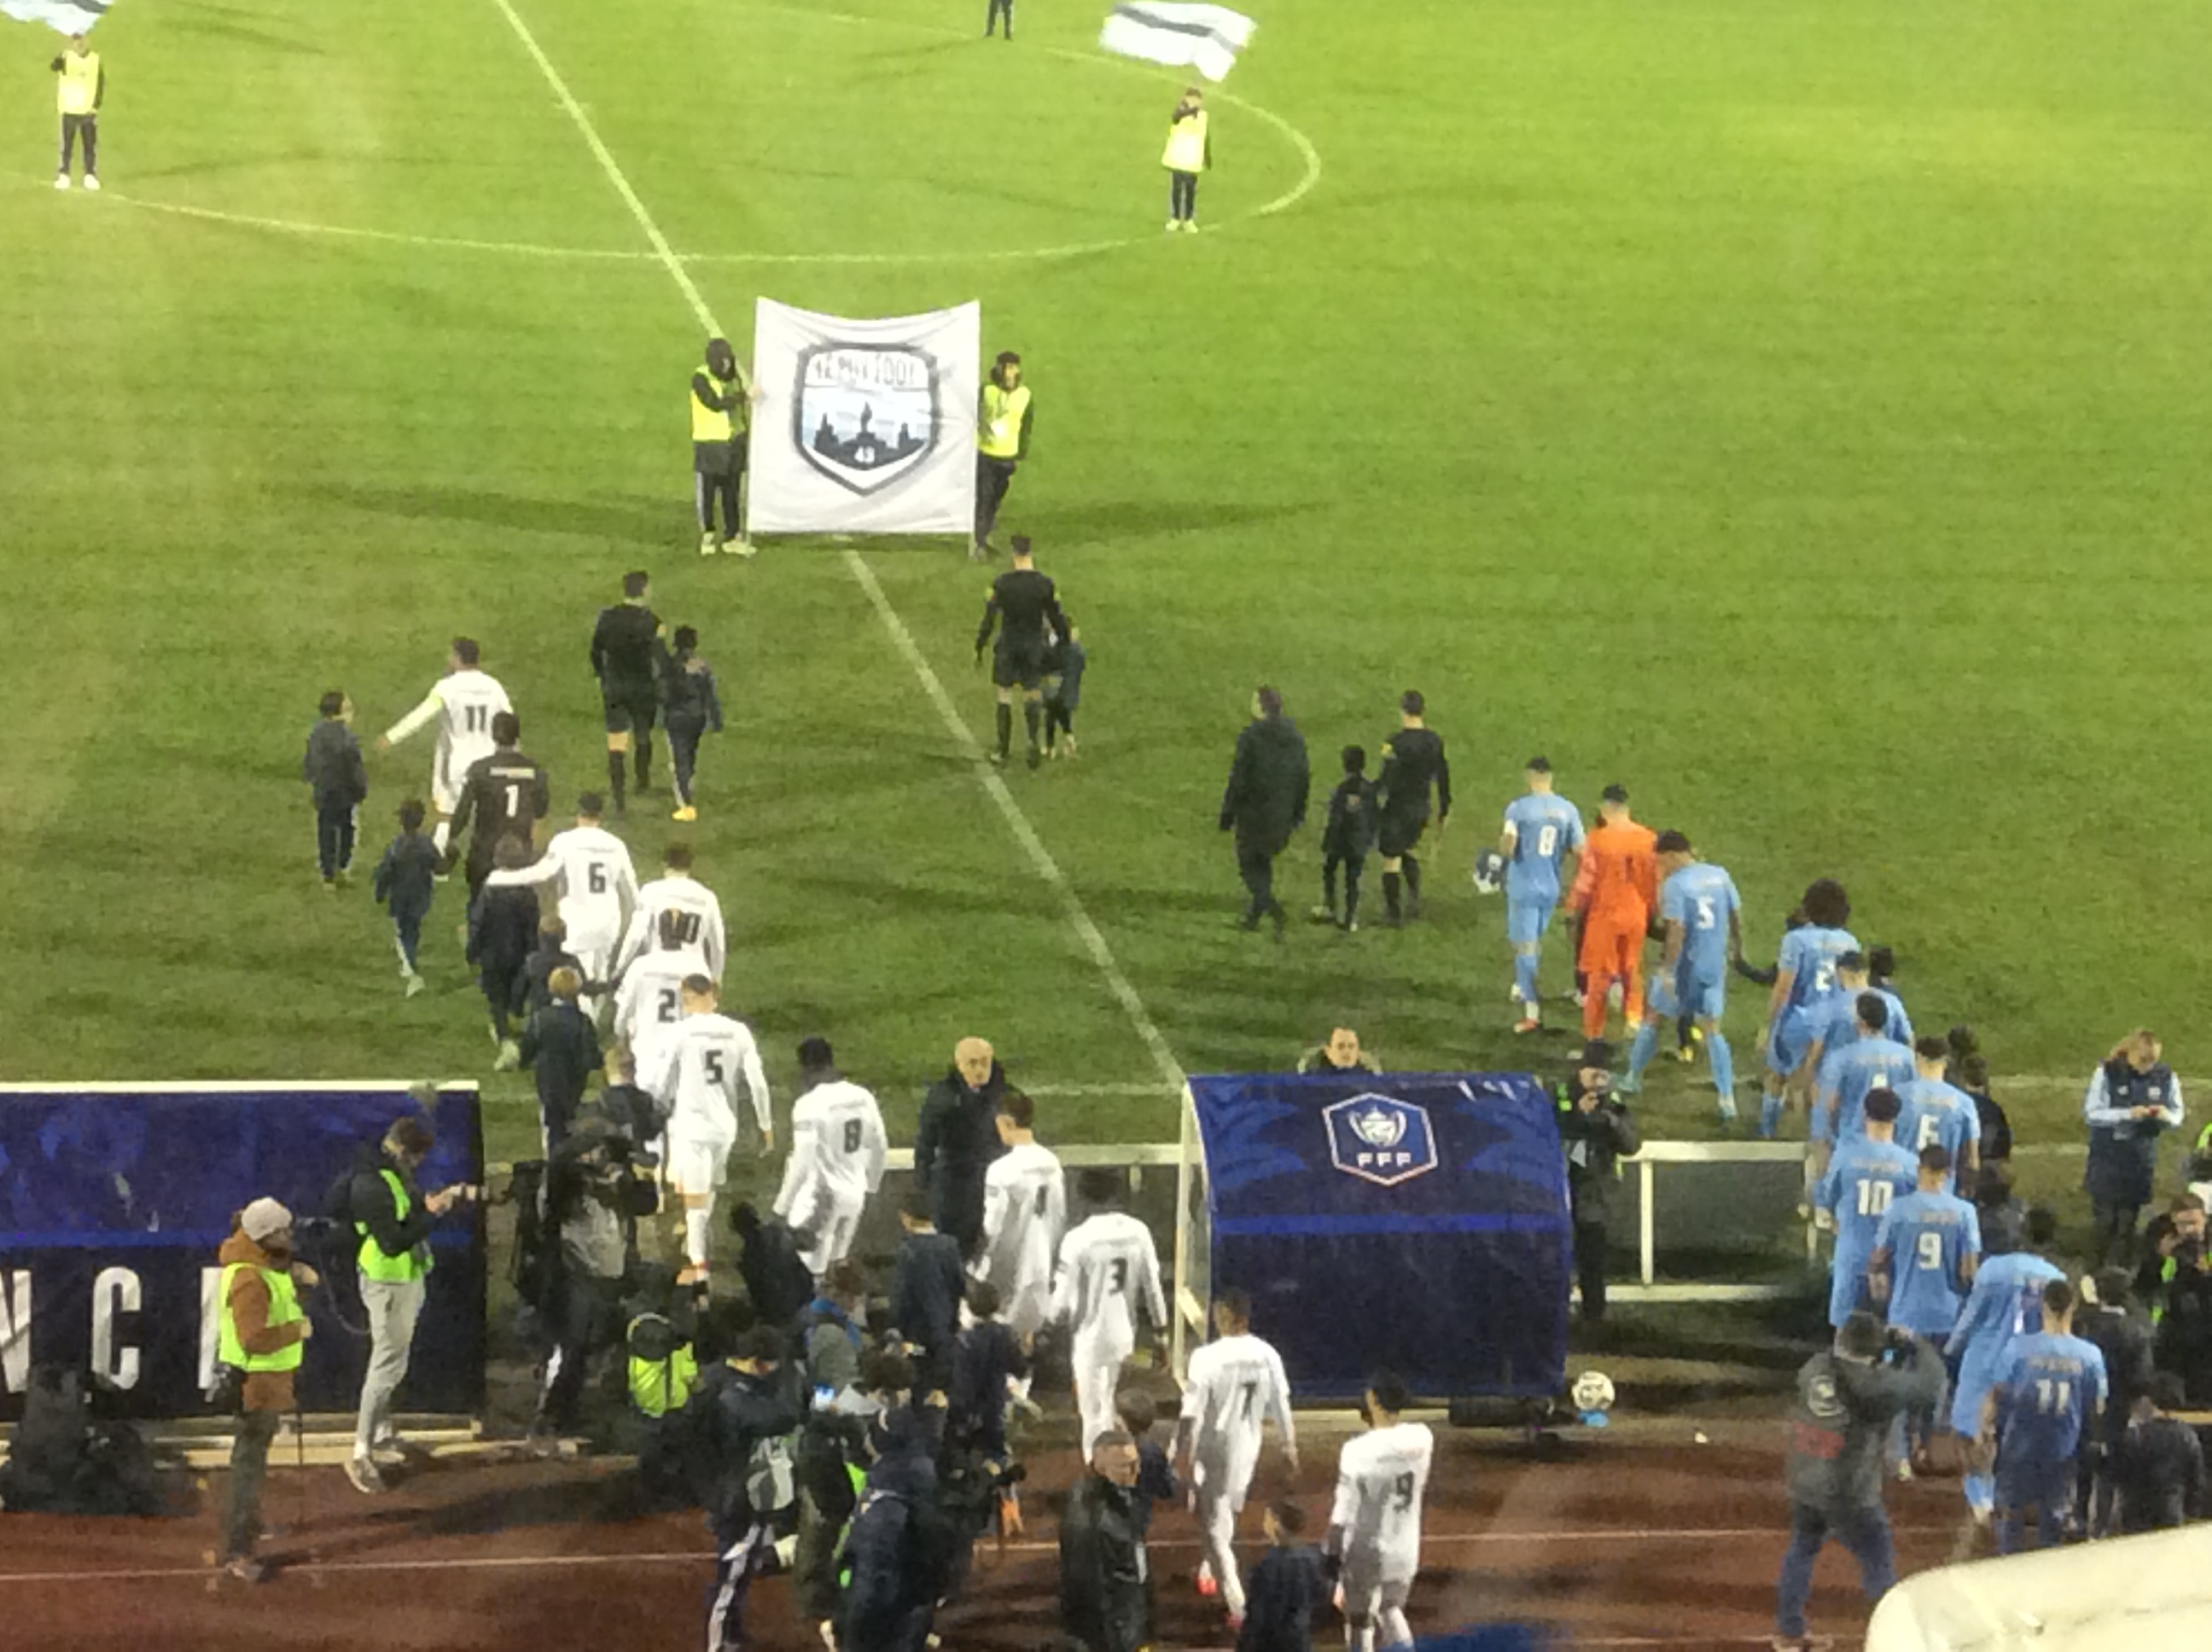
x: 1618, y: 882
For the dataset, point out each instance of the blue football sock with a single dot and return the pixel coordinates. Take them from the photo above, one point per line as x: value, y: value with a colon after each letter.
x: 1981, y: 1492
x: 1770, y: 1115
x: 1524, y: 978
x: 1646, y: 1045
x: 1723, y: 1060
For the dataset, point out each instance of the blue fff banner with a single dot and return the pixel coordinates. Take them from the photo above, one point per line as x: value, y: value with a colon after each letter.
x: 113, y: 1200
x: 1413, y: 1221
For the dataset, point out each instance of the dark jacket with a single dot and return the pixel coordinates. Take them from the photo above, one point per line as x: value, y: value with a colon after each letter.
x: 890, y: 1600
x: 1350, y: 833
x: 774, y: 1274
x: 2124, y: 1339
x: 688, y: 697
x: 1266, y: 799
x: 927, y: 1283
x: 1069, y: 669
x: 369, y: 1197
x: 1280, y: 1597
x: 1996, y: 1128
x: 2124, y: 1152
x: 561, y: 1046
x: 954, y: 1144
x: 502, y: 930
x: 1841, y: 1416
x: 729, y: 1414
x: 333, y: 767
x: 536, y: 983
x: 833, y: 1344
x: 406, y: 877
x: 986, y: 1354
x: 1595, y: 1142
x: 1105, y: 1594
x: 2158, y: 1467
x: 1156, y: 1482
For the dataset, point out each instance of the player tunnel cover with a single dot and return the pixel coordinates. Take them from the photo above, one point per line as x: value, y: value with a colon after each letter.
x: 1417, y: 1221
x: 865, y: 415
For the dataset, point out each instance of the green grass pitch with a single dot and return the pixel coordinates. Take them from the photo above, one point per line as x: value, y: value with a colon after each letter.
x: 1796, y: 411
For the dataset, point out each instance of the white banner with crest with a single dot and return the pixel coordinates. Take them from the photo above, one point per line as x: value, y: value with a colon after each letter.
x: 864, y: 426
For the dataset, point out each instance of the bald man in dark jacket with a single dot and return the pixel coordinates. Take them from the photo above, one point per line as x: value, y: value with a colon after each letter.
x: 1264, y: 802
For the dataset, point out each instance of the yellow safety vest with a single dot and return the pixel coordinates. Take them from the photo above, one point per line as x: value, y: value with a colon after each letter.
x: 77, y: 93
x: 1186, y: 149
x: 375, y: 1264
x: 284, y: 1310
x: 711, y: 423
x: 658, y: 1387
x: 1003, y: 413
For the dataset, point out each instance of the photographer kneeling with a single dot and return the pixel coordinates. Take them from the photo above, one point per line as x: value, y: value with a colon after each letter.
x: 593, y: 1196
x: 393, y: 1219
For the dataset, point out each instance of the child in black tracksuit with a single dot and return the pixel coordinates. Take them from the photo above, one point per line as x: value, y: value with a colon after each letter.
x: 1282, y: 1593
x: 986, y: 1354
x: 689, y: 706
x: 1347, y: 837
x: 502, y: 930
x: 335, y: 775
x: 406, y: 879
x: 1063, y: 691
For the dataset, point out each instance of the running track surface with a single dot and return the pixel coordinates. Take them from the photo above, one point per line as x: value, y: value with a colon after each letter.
x: 1656, y: 1543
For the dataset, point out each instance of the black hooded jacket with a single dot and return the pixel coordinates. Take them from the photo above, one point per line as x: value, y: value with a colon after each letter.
x: 953, y: 1147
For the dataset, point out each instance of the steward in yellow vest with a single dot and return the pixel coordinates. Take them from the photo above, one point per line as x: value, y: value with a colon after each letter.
x: 1189, y: 152
x: 721, y: 404
x: 1002, y: 442
x: 261, y: 1331
x: 77, y: 94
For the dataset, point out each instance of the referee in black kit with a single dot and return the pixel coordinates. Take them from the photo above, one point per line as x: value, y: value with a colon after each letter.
x: 1413, y: 764
x: 1026, y: 610
x: 625, y: 654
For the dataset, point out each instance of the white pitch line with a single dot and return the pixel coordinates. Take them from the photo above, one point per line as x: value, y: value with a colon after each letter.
x: 994, y: 785
x: 387, y: 237
x: 1017, y: 822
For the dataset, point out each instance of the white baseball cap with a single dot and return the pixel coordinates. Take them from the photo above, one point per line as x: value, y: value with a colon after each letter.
x: 264, y: 1219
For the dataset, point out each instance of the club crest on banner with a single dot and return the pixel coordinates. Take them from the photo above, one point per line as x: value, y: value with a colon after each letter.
x: 1380, y: 1138
x: 865, y: 415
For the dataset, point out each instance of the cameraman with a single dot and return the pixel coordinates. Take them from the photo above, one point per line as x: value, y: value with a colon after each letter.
x: 393, y: 1219
x: 591, y: 1196
x: 1597, y: 1133
x: 261, y: 1334
x: 1848, y: 1399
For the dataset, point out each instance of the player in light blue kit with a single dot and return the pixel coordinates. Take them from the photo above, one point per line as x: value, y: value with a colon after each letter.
x: 1805, y: 982
x: 1839, y: 1025
x: 2004, y: 1308
x: 2055, y: 1389
x: 1869, y: 1062
x: 1543, y: 831
x: 1938, y: 1115
x: 1703, y: 917
x: 1924, y: 1256
x: 1865, y: 1178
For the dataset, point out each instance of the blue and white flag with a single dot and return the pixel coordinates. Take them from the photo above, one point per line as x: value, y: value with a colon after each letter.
x: 1203, y: 38
x: 62, y: 16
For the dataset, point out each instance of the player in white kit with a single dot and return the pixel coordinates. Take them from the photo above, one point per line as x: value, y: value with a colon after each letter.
x: 465, y: 701
x: 1375, y: 1527
x: 1108, y: 1280
x: 677, y: 922
x: 1025, y: 1214
x: 1234, y: 1388
x: 648, y: 1009
x: 709, y: 1071
x: 597, y: 888
x: 836, y: 1163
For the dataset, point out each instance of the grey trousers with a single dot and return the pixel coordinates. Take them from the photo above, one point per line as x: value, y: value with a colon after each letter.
x: 249, y: 1468
x: 392, y: 1310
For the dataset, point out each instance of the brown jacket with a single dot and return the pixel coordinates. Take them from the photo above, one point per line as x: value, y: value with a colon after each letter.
x: 249, y: 1306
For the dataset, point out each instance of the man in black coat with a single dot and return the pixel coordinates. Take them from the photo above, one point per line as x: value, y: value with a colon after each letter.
x: 1105, y: 1585
x: 957, y: 1139
x: 1264, y: 802
x: 896, y: 1547
x: 1598, y: 1132
x: 777, y: 1279
x: 2123, y: 1334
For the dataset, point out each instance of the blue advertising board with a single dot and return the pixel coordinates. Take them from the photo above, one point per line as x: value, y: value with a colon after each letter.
x: 1416, y: 1222
x: 115, y: 1199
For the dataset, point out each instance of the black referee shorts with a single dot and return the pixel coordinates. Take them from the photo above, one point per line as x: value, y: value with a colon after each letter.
x: 1018, y: 665
x: 1399, y: 834
x: 630, y: 711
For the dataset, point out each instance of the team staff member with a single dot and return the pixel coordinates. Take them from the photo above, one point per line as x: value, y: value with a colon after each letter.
x: 1413, y: 764
x: 721, y: 406
x: 2133, y: 1100
x: 1265, y: 801
x: 78, y: 95
x: 957, y: 1139
x: 262, y: 1333
x: 1027, y: 604
x: 393, y: 1219
x: 1002, y: 434
x: 1598, y: 1132
x: 1189, y: 152
x: 624, y: 653
x: 1105, y: 1585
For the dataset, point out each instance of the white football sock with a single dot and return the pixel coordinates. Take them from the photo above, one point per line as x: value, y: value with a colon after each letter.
x: 695, y: 1235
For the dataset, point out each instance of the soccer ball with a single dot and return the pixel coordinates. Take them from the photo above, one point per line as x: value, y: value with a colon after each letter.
x: 1489, y: 871
x: 1593, y: 1392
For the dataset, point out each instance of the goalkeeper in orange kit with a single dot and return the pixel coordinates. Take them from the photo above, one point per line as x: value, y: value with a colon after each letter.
x: 1616, y: 888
